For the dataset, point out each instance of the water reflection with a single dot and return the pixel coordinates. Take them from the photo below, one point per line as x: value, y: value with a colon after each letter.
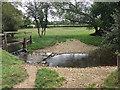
x: 96, y: 58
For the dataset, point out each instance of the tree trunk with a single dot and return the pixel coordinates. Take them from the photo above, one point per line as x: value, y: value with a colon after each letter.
x: 97, y: 31
x: 39, y: 32
x: 42, y: 33
x: 37, y: 26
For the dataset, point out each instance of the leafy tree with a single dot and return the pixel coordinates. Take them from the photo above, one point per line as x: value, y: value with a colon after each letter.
x: 11, y: 17
x: 98, y: 15
x: 77, y: 12
x: 27, y: 21
x: 112, y: 38
x: 103, y: 11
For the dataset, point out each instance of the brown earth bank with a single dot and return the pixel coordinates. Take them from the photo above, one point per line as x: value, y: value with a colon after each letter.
x: 70, y: 46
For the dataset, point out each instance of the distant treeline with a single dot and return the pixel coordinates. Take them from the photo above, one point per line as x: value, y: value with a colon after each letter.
x: 51, y: 26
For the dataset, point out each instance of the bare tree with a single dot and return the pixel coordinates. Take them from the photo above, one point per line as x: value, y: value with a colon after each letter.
x: 39, y: 11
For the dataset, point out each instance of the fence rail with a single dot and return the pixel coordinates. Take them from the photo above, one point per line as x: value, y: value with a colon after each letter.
x: 25, y: 42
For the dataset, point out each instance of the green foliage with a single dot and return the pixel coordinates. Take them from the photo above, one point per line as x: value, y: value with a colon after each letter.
x: 48, y: 79
x: 27, y: 21
x: 62, y: 34
x: 103, y: 11
x: 112, y: 39
x: 12, y: 70
x: 11, y: 17
x: 112, y: 80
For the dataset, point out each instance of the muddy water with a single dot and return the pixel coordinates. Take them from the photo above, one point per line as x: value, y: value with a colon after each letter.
x: 33, y: 57
x: 93, y: 59
x: 96, y: 58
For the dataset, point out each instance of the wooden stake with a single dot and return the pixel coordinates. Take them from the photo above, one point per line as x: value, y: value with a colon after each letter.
x: 30, y: 39
x: 25, y: 44
x: 5, y: 43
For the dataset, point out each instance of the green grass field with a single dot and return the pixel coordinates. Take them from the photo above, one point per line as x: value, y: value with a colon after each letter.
x: 12, y: 70
x: 61, y: 34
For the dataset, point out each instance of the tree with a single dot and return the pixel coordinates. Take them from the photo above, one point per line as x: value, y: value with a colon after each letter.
x: 27, y: 21
x: 39, y: 11
x: 103, y: 11
x: 112, y: 38
x: 11, y: 17
x: 98, y: 15
x: 77, y: 12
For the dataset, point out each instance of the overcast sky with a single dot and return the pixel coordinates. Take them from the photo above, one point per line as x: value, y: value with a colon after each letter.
x: 49, y: 16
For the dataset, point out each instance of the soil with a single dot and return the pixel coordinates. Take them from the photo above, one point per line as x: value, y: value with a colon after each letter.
x: 29, y: 81
x: 75, y: 77
x: 84, y: 77
x: 70, y: 46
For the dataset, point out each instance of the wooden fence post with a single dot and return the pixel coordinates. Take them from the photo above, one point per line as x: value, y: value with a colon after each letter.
x: 25, y: 44
x: 5, y: 43
x: 118, y: 65
x: 30, y: 39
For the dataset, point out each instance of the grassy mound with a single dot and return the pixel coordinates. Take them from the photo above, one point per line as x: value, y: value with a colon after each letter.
x: 12, y: 70
x: 48, y: 79
x: 112, y: 80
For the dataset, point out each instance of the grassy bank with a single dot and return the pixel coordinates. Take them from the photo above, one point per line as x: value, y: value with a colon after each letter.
x: 48, y: 79
x: 61, y: 34
x: 112, y: 81
x: 12, y: 70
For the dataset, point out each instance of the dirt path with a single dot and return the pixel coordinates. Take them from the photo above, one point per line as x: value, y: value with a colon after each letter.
x: 74, y: 46
x: 29, y: 81
x: 75, y: 77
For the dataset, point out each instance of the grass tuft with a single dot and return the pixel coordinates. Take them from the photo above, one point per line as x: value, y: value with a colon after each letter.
x: 112, y: 80
x: 48, y: 79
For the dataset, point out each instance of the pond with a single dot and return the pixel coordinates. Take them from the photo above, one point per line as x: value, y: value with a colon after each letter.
x: 93, y: 59
x: 80, y: 60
